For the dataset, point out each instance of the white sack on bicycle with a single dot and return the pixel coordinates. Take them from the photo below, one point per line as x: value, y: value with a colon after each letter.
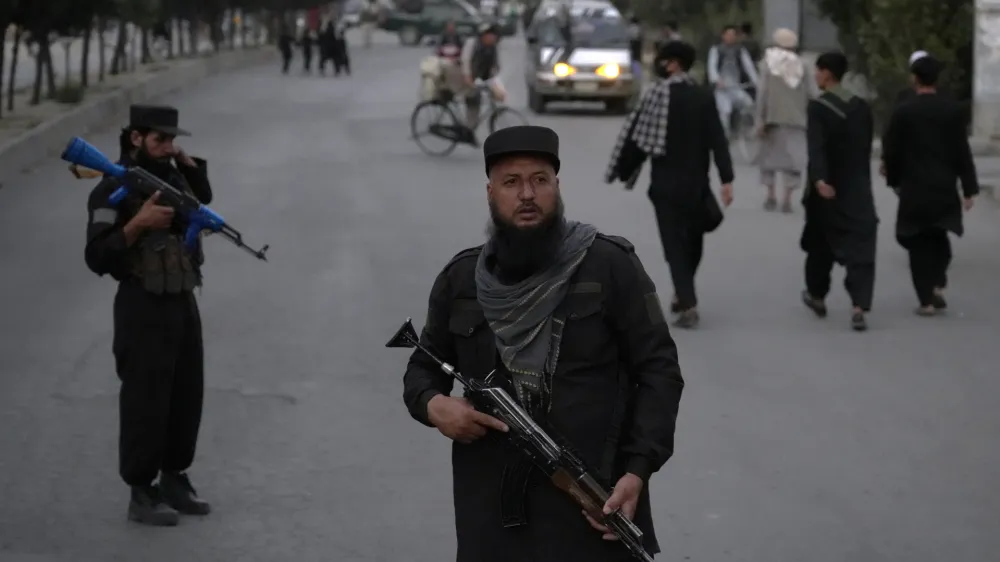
x: 497, y: 89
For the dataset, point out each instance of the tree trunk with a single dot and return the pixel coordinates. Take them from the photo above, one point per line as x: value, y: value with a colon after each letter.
x: 117, y: 61
x: 193, y: 43
x: 133, y: 41
x: 12, y: 77
x: 147, y: 57
x: 36, y: 90
x: 102, y: 60
x: 170, y: 40
x: 66, y: 53
x: 45, y: 52
x: 85, y: 57
x: 3, y: 55
x: 243, y: 29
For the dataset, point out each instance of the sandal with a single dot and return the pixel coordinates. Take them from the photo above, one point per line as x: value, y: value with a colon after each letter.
x: 858, y: 322
x: 688, y: 319
x: 770, y: 204
x: 814, y: 304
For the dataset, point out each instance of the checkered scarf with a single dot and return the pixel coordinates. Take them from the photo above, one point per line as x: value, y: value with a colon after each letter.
x: 647, y: 123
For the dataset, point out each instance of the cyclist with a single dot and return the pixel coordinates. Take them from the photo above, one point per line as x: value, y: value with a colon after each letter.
x: 731, y: 71
x: 480, y: 61
x: 449, y: 45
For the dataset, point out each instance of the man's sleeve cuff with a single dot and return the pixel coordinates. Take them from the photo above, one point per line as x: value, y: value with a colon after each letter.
x: 641, y: 467
x: 421, y: 412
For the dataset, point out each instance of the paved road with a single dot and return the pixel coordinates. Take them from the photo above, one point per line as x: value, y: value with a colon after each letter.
x: 798, y: 439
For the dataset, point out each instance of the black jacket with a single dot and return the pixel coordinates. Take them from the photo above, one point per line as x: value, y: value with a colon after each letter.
x: 695, y: 139
x: 614, y: 397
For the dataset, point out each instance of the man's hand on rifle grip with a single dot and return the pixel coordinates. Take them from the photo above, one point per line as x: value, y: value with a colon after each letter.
x: 457, y: 420
x: 151, y: 216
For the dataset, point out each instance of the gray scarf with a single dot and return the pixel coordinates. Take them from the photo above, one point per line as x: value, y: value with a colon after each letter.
x: 521, y: 315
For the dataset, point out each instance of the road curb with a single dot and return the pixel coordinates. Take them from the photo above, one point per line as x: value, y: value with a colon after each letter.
x: 22, y: 153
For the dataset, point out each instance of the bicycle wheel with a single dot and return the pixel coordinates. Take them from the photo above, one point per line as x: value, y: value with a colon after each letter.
x: 503, y: 117
x: 746, y: 139
x: 748, y: 148
x: 434, y: 128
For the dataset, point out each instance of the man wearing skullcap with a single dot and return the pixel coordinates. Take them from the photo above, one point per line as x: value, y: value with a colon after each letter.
x: 572, y: 325
x: 926, y: 153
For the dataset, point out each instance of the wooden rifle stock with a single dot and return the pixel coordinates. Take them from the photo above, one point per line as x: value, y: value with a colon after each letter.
x: 590, y: 498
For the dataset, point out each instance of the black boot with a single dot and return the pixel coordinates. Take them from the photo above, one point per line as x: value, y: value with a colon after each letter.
x: 147, y: 507
x: 179, y: 493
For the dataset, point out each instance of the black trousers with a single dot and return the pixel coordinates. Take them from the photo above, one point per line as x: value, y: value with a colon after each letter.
x: 286, y: 61
x: 683, y: 244
x: 160, y: 362
x: 930, y: 256
x: 342, y: 63
x: 307, y: 59
x: 820, y: 258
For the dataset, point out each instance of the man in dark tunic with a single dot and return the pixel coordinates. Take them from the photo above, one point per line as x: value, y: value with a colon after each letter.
x: 841, y: 222
x: 570, y: 319
x: 285, y: 46
x: 676, y: 125
x: 157, y: 328
x: 926, y: 152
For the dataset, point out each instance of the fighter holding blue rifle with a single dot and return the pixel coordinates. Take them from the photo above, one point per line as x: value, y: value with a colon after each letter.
x: 136, y: 238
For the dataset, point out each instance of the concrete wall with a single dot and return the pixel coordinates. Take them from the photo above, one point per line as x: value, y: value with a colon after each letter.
x: 815, y: 32
x: 986, y: 86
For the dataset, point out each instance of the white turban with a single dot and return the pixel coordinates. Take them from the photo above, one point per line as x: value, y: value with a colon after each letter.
x: 917, y: 55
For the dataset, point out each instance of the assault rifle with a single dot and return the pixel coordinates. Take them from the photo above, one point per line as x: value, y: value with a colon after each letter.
x: 198, y: 217
x: 558, y: 463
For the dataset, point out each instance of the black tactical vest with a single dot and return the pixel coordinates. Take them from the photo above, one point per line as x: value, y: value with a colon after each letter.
x: 159, y: 259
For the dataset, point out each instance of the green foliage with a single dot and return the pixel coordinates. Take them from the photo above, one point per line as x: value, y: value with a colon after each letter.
x: 880, y: 35
x: 70, y: 93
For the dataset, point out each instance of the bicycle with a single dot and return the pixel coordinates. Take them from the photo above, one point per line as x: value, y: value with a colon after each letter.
x: 445, y: 125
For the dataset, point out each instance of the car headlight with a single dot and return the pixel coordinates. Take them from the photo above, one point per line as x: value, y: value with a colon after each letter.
x: 563, y: 70
x: 610, y: 70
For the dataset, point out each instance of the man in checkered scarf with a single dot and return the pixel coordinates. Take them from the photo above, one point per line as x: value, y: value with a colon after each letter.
x: 679, y: 180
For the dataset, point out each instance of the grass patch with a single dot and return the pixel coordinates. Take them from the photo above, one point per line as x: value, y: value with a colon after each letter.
x: 70, y: 94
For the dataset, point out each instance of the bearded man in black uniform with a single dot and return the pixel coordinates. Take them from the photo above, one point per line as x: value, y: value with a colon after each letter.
x: 572, y: 321
x: 157, y: 328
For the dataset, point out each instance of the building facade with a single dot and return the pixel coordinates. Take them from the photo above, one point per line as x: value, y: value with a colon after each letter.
x: 815, y: 32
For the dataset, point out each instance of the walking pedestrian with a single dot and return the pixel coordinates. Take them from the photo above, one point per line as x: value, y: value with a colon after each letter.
x: 841, y: 222
x: 341, y: 55
x: 926, y: 153
x: 676, y: 126
x: 157, y: 328
x: 307, y: 43
x: 732, y: 72
x: 781, y: 119
x: 286, y: 43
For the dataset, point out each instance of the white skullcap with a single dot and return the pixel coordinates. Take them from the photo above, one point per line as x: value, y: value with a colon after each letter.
x: 917, y: 55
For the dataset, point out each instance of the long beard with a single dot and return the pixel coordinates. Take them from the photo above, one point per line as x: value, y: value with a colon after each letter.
x: 524, y: 251
x: 159, y: 167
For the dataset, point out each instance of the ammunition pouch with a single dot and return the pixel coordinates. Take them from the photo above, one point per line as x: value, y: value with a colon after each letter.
x: 164, y: 266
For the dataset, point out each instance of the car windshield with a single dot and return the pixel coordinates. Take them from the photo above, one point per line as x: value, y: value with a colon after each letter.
x: 587, y: 32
